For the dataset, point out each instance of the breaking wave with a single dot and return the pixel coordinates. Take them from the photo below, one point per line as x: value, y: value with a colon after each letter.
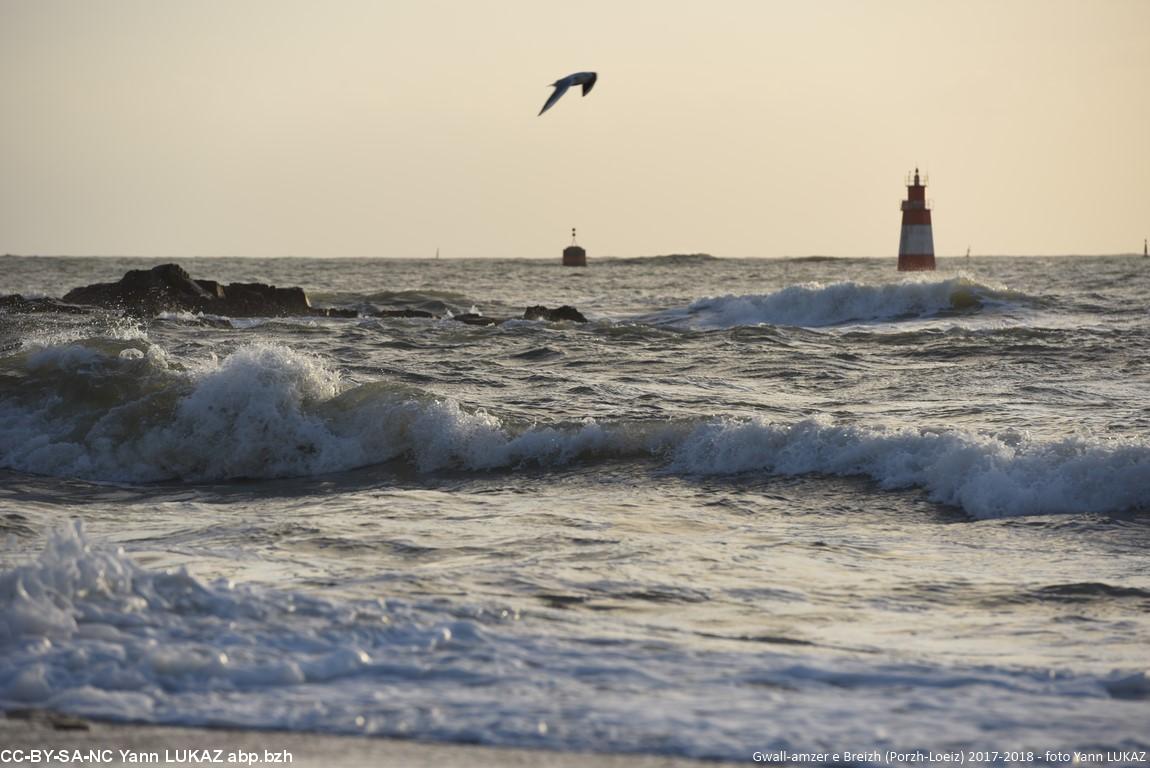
x: 985, y: 475
x: 121, y: 410
x: 110, y: 410
x: 815, y: 305
x: 86, y: 630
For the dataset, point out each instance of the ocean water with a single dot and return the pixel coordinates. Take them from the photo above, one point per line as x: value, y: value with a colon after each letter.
x: 753, y: 505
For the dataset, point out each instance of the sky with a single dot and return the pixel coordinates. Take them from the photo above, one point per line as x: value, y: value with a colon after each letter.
x: 392, y: 128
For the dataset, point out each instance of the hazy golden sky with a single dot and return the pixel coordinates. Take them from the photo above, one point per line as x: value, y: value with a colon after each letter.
x: 173, y: 128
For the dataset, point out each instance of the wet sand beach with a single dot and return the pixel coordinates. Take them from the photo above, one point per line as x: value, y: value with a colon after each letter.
x: 137, y: 744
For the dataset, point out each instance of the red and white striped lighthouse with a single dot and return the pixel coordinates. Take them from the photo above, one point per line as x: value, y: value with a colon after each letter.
x: 916, y: 244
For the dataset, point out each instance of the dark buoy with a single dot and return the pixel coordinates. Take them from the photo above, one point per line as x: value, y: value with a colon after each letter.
x: 916, y: 243
x: 573, y: 255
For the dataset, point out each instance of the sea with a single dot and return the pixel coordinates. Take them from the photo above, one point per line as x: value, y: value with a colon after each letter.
x: 754, y: 510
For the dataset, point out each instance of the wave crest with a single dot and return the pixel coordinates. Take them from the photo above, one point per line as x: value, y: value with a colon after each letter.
x: 118, y: 413
x: 987, y: 476
x: 815, y: 305
x: 265, y: 411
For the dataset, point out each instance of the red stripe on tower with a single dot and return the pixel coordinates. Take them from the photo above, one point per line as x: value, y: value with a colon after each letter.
x: 916, y: 244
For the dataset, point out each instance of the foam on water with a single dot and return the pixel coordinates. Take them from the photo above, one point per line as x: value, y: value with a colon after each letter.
x: 103, y: 329
x: 985, y: 475
x: 816, y: 305
x: 681, y: 591
x: 85, y: 630
x: 120, y: 414
x: 116, y: 412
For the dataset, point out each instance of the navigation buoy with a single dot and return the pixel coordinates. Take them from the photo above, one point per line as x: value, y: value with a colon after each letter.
x: 573, y: 255
x: 916, y: 244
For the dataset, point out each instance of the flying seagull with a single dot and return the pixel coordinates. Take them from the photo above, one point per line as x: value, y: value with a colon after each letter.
x: 585, y: 79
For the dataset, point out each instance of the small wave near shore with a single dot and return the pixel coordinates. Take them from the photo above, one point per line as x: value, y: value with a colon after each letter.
x: 87, y: 630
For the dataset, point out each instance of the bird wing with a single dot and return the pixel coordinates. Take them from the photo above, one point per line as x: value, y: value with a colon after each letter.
x: 560, y: 89
x: 590, y: 83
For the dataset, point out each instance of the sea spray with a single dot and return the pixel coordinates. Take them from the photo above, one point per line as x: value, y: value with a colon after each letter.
x: 86, y: 630
x: 985, y: 475
x: 264, y: 411
x: 816, y: 305
x: 267, y: 411
x: 690, y: 553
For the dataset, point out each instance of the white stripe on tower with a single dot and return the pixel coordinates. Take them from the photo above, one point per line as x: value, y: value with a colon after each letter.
x: 916, y: 239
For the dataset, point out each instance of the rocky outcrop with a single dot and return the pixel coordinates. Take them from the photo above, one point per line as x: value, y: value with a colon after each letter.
x: 259, y: 300
x: 471, y: 318
x: 169, y: 288
x: 563, y: 313
x: 18, y: 305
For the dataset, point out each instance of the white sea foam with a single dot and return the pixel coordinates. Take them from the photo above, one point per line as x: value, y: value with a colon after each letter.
x: 245, y: 416
x: 267, y: 411
x: 987, y: 476
x: 264, y: 411
x: 85, y: 630
x: 815, y: 305
x: 111, y: 328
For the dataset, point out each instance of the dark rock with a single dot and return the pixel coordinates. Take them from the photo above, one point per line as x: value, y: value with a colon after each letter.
x: 473, y: 319
x: 56, y: 720
x: 564, y: 312
x: 17, y: 304
x: 401, y: 313
x: 145, y: 291
x: 168, y: 288
x: 257, y: 299
x: 212, y: 288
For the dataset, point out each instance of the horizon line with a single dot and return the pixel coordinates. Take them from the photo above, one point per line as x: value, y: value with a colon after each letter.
x: 612, y: 257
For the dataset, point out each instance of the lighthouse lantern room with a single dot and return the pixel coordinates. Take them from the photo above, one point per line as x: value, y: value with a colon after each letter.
x: 916, y: 244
